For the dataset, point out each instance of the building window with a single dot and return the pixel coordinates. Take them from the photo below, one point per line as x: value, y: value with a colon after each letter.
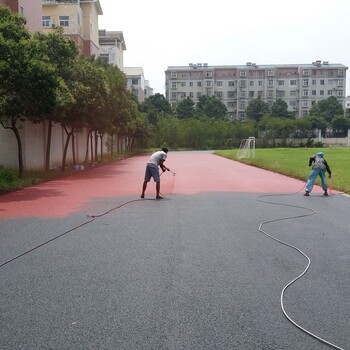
x: 281, y: 82
x: 173, y: 95
x: 251, y: 83
x: 281, y: 93
x: 231, y: 83
x: 46, y: 21
x: 340, y: 82
x: 313, y: 92
x: 340, y: 72
x: 270, y: 73
x: 231, y: 94
x: 322, y: 82
x: 340, y: 93
x: 251, y: 94
x: 209, y: 74
x: 313, y: 81
x: 305, y: 93
x: 209, y: 83
x: 191, y: 94
x: 199, y: 83
x: 270, y: 82
x: 293, y: 93
x: 191, y: 83
x: 242, y: 73
x: 321, y: 92
x: 270, y: 93
x: 104, y: 57
x: 242, y: 105
x: 173, y: 74
x: 173, y: 85
x: 305, y: 104
x: 292, y: 82
x: 199, y: 94
x: 219, y: 83
x: 306, y: 72
x: 305, y: 82
x: 64, y: 21
x: 183, y: 84
x: 260, y: 82
x: 218, y: 94
x: 330, y: 92
x: 260, y: 94
x: 134, y: 81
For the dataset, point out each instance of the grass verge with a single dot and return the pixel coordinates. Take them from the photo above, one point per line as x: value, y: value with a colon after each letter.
x: 294, y: 162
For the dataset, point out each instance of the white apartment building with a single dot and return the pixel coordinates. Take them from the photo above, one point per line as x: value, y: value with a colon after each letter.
x: 112, y: 47
x: 299, y: 85
x: 137, y: 84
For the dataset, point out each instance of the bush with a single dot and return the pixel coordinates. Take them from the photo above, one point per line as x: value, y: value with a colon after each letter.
x: 7, y: 176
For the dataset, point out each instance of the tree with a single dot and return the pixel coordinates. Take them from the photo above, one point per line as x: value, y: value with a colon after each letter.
x: 211, y: 106
x: 256, y: 109
x: 156, y: 102
x: 279, y: 109
x: 61, y: 52
x: 340, y: 125
x: 185, y: 109
x: 28, y: 81
x: 327, y: 109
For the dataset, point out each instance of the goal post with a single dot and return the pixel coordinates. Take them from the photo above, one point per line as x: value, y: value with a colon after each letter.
x: 247, y: 148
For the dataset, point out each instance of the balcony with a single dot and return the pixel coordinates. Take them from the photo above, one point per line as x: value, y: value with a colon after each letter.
x: 57, y: 2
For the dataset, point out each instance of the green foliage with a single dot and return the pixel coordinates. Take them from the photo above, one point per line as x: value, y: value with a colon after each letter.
x: 211, y: 107
x: 185, y: 109
x: 256, y: 109
x: 327, y: 109
x: 279, y: 109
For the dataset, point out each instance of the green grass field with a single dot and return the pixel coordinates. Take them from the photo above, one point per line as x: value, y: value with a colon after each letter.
x: 294, y: 162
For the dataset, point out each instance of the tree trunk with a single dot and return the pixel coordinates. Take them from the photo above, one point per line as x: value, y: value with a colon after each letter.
x: 69, y: 134
x: 73, y: 149
x: 87, y: 147
x: 48, y: 146
x: 112, y: 139
x: 91, y: 146
x: 20, y: 151
x: 101, y: 137
x: 96, y: 144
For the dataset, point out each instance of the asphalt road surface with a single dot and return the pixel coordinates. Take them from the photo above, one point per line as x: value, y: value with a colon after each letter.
x: 87, y: 264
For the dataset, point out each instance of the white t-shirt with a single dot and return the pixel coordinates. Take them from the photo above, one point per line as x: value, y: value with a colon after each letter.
x: 157, y: 157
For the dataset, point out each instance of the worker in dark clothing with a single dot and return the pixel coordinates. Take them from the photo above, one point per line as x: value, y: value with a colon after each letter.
x: 319, y: 168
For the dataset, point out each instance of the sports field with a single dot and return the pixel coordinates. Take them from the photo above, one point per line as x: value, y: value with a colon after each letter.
x: 294, y: 162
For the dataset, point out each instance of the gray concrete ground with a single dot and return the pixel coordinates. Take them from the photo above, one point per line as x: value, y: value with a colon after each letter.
x: 187, y: 272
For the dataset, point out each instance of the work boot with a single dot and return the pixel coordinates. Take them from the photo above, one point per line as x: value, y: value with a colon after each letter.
x: 306, y: 193
x: 325, y: 193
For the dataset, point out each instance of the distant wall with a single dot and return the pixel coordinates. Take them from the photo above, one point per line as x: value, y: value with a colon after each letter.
x: 34, y: 139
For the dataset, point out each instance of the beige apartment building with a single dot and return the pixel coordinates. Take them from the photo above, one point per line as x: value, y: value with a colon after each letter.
x: 299, y: 85
x: 79, y: 20
x: 30, y: 9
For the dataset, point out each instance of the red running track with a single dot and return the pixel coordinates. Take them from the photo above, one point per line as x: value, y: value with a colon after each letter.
x: 196, y: 172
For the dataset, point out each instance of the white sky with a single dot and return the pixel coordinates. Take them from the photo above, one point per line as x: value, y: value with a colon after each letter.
x: 161, y: 33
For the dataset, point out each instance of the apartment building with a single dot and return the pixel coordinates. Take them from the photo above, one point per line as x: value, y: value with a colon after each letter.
x: 299, y: 85
x: 112, y: 47
x: 30, y: 9
x: 79, y: 20
x: 136, y: 82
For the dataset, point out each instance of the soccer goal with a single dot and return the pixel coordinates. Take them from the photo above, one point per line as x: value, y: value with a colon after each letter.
x: 247, y: 148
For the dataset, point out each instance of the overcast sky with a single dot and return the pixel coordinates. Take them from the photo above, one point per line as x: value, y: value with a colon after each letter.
x: 160, y: 33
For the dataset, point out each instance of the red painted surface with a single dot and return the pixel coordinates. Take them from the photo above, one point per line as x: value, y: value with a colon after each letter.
x: 196, y: 172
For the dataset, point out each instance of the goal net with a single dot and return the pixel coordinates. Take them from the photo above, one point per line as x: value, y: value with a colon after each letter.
x: 247, y: 148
